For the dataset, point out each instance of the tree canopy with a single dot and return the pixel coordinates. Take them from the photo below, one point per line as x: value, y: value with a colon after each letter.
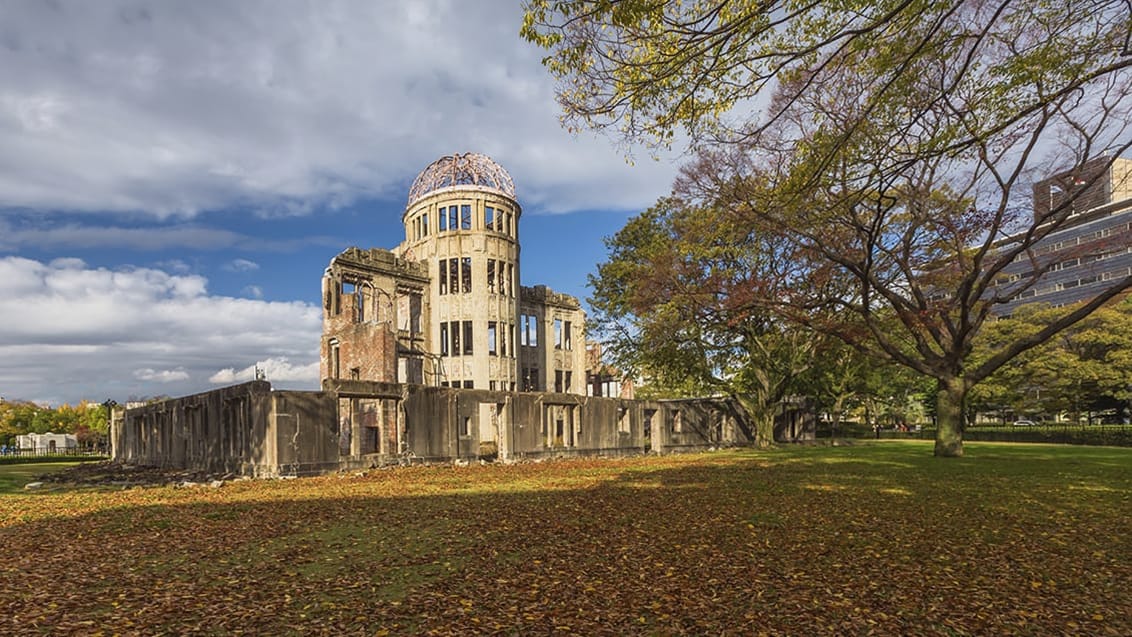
x: 889, y: 147
x: 1081, y: 368
x: 672, y: 303
x: 87, y: 420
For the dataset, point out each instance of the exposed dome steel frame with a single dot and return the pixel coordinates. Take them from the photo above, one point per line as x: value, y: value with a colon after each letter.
x: 467, y: 169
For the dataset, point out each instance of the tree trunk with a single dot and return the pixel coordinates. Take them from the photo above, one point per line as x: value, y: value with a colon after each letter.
x: 949, y: 418
x: 761, y: 418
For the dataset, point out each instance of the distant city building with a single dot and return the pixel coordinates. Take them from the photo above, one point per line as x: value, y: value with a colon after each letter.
x: 1091, y: 250
x: 446, y: 307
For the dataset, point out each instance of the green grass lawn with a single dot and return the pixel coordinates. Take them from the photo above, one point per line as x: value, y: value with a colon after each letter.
x: 872, y: 537
x: 13, y: 477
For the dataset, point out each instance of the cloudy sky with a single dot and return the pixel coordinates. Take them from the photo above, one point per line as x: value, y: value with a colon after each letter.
x: 174, y: 177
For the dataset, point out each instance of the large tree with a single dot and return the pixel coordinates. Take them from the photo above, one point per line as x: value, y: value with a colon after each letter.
x: 673, y: 304
x: 890, y: 144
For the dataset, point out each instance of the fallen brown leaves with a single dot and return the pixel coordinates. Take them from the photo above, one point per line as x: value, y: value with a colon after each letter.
x: 865, y: 540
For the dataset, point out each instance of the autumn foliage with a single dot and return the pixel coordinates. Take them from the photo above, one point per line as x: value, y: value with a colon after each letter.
x: 799, y: 541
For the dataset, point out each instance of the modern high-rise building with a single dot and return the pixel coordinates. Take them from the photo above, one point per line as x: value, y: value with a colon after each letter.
x: 1091, y: 250
x: 446, y: 307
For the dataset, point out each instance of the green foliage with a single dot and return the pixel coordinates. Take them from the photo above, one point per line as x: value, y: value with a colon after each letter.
x: 1062, y: 434
x: 886, y: 147
x: 1081, y: 365
x: 678, y: 302
x: 87, y: 420
x: 649, y: 70
x: 729, y: 542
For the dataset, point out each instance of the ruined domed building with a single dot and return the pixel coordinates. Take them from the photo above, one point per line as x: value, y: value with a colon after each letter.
x: 432, y: 351
x: 446, y: 307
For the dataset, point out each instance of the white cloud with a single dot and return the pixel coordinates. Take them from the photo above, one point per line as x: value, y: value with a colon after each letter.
x: 70, y: 332
x: 280, y: 107
x: 161, y: 376
x: 176, y: 266
x: 254, y: 291
x: 273, y: 369
x: 241, y: 265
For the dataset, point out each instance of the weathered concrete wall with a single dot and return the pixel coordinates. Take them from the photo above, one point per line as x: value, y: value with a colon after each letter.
x: 551, y: 425
x: 305, y: 433
x: 219, y: 431
x: 796, y: 422
x: 430, y: 423
x: 251, y: 430
x: 245, y: 429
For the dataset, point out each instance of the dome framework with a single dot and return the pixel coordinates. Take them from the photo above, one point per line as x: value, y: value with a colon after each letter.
x: 466, y: 169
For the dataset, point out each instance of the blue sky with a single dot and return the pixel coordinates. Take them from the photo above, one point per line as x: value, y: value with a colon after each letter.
x: 174, y: 177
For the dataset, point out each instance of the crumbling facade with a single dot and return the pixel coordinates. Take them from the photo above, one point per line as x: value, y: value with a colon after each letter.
x: 432, y: 351
x: 446, y: 307
x: 254, y: 430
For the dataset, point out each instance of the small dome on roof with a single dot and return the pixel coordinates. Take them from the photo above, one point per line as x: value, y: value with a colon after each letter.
x: 467, y: 169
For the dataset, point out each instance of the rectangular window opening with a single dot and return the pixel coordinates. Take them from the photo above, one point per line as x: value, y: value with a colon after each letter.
x: 415, y: 308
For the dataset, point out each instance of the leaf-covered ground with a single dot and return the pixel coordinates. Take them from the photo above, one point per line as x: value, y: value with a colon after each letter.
x: 867, y: 539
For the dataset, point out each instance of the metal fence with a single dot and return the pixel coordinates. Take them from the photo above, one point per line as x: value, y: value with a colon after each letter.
x: 16, y: 452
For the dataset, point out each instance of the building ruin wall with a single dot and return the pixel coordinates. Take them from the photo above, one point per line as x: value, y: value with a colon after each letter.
x: 253, y: 430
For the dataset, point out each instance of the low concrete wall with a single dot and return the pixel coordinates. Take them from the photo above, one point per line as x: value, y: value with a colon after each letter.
x: 219, y: 431
x: 245, y: 429
x: 250, y: 429
x: 305, y: 433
